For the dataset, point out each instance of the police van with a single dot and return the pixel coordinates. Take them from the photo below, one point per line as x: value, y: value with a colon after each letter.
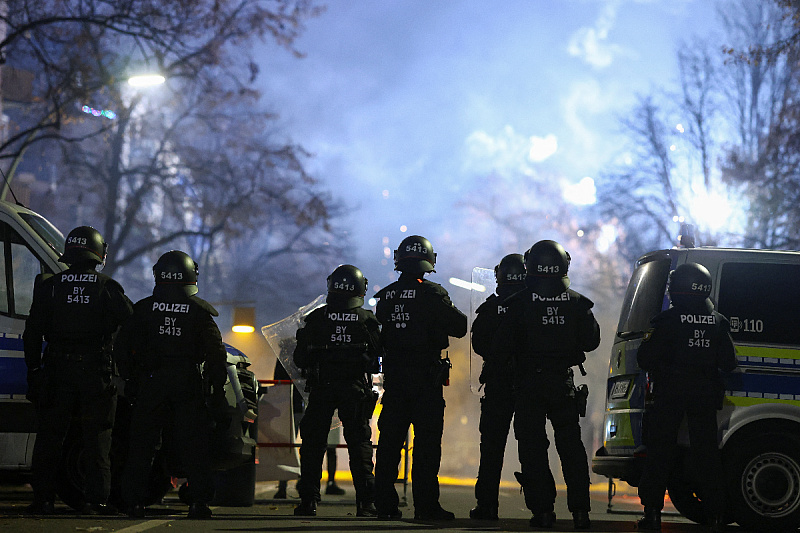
x: 759, y: 425
x: 31, y: 246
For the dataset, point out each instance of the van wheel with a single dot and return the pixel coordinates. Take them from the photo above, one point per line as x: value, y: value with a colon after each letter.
x: 764, y: 483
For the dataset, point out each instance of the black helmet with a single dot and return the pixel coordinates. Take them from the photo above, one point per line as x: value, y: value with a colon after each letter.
x: 176, y: 268
x: 689, y: 284
x: 84, y: 244
x: 511, y: 270
x: 415, y: 255
x: 547, y: 264
x: 346, y: 287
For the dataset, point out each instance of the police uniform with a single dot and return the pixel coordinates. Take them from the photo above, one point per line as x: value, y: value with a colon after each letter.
x: 338, y: 348
x: 545, y: 337
x: 77, y: 312
x: 417, y: 318
x: 684, y: 352
x: 497, y: 404
x: 161, y: 349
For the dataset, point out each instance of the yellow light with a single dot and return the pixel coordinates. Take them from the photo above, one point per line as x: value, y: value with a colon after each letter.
x: 244, y: 319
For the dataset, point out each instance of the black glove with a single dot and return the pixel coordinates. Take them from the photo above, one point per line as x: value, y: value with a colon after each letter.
x: 37, y: 386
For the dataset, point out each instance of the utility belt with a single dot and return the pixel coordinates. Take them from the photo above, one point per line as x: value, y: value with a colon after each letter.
x: 75, y: 354
x: 549, y: 362
x: 155, y: 363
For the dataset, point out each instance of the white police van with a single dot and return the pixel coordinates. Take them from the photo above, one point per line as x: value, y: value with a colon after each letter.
x: 759, y: 425
x: 30, y: 246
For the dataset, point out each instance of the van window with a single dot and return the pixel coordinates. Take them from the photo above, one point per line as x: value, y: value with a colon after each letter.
x: 749, y: 294
x: 644, y: 298
x: 19, y: 269
x: 46, y: 231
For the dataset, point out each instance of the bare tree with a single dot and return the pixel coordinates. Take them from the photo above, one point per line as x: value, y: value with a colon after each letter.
x: 60, y: 41
x: 764, y: 115
x: 642, y: 193
x: 197, y: 163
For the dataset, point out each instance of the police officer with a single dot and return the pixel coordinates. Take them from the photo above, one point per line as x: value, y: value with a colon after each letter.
x: 417, y: 317
x: 338, y: 349
x: 684, y: 351
x: 497, y: 404
x: 77, y: 312
x: 547, y: 330
x: 162, y: 347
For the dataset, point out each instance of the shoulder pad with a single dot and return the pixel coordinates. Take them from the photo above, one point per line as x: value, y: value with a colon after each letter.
x: 114, y: 283
x: 581, y: 298
x: 663, y: 315
x: 433, y: 287
x: 204, y: 305
x: 316, y: 314
x: 41, y: 278
x: 488, y: 303
x: 381, y: 294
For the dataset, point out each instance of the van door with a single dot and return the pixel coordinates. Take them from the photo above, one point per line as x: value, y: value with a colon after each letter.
x: 626, y: 386
x: 22, y: 258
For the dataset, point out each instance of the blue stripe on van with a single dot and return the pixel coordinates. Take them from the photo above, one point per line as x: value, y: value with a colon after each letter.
x: 763, y: 385
x: 13, y: 372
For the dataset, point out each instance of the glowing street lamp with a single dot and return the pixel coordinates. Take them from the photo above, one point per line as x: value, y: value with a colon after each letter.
x: 146, y: 80
x: 244, y: 319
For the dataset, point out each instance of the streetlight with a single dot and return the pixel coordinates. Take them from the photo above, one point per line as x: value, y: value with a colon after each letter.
x: 244, y: 320
x: 146, y: 80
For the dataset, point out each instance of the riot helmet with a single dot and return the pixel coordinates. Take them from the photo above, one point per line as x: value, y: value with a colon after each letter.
x: 415, y: 255
x: 346, y: 287
x: 511, y: 270
x: 84, y: 244
x: 689, y: 284
x: 176, y: 268
x: 546, y: 265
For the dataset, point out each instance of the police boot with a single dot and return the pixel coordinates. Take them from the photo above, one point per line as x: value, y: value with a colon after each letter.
x: 332, y: 489
x: 366, y: 509
x: 580, y: 520
x: 136, y: 511
x: 651, y: 521
x: 41, y: 507
x: 199, y: 511
x: 717, y: 524
x: 543, y: 520
x: 434, y: 514
x: 391, y: 514
x: 306, y: 508
x: 99, y: 509
x: 484, y: 512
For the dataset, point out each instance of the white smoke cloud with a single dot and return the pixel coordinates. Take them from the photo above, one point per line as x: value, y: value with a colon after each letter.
x: 508, y: 151
x: 591, y: 44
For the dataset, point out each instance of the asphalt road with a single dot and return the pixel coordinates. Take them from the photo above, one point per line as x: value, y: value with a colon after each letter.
x: 335, y: 513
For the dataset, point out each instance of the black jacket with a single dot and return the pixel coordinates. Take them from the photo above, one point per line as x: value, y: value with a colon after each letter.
x: 547, y: 333
x: 76, y: 310
x: 686, y: 350
x: 417, y: 319
x: 343, y: 343
x: 171, y: 329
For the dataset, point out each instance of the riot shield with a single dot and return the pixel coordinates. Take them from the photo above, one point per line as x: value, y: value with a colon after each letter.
x: 281, y: 338
x: 481, y: 277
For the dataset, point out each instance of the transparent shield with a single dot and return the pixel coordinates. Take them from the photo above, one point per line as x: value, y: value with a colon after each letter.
x: 483, y: 286
x: 281, y: 338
